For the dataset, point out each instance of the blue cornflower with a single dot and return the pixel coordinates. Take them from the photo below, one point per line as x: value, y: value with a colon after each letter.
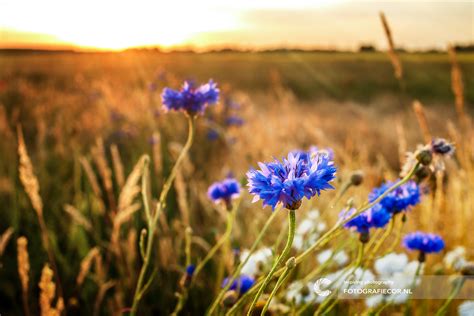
x: 441, y: 146
x: 241, y: 285
x: 234, y: 121
x: 212, y: 134
x: 225, y: 191
x: 189, y: 99
x: 400, y: 199
x: 190, y: 270
x: 290, y: 180
x: 375, y: 217
x: 424, y: 242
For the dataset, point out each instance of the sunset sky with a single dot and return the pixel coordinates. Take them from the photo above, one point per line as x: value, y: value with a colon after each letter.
x: 345, y: 24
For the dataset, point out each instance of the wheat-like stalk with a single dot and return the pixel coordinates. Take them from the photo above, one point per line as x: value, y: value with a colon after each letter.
x: 77, y: 216
x: 47, y: 294
x: 118, y: 166
x: 86, y: 264
x: 100, y: 160
x: 397, y: 65
x: 4, y: 239
x: 91, y: 177
x: 157, y: 159
x: 402, y: 142
x: 23, y: 270
x: 27, y: 176
x: 180, y: 187
x: 456, y: 83
x: 126, y: 207
x: 422, y: 122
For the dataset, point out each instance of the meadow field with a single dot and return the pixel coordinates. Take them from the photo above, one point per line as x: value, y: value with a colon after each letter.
x: 87, y: 151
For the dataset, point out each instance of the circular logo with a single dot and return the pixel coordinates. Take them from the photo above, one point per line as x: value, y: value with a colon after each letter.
x: 322, y: 283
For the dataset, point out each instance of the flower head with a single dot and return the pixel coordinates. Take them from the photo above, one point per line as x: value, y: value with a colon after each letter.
x: 242, y: 284
x: 441, y: 146
x: 376, y: 217
x: 225, y: 190
x: 190, y: 99
x: 400, y: 199
x: 290, y: 180
x: 190, y: 269
x: 424, y: 242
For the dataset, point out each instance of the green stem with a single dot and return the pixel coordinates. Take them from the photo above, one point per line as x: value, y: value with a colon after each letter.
x: 380, y: 242
x: 281, y: 280
x: 220, y: 242
x: 241, y: 264
x: 279, y: 261
x: 457, y: 287
x: 153, y: 218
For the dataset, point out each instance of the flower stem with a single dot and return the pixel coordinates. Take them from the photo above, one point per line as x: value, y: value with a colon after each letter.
x: 281, y: 280
x: 380, y: 242
x: 153, y: 218
x: 220, y: 242
x: 279, y: 261
x: 455, y: 290
x: 241, y: 264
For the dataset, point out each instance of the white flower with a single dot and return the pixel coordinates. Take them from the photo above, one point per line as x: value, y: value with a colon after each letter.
x: 257, y: 262
x: 308, y: 230
x: 341, y: 258
x: 466, y: 308
x: 300, y: 293
x: 390, y: 264
x: 456, y: 258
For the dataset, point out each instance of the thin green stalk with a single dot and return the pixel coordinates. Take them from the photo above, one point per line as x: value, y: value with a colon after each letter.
x: 153, y: 218
x: 397, y: 238
x: 281, y: 259
x: 380, y: 242
x: 325, y: 238
x: 220, y: 242
x: 290, y: 265
x: 230, y: 220
x: 242, y: 263
x: 455, y: 290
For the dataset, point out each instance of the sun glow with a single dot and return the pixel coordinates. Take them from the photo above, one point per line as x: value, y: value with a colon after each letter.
x: 115, y: 24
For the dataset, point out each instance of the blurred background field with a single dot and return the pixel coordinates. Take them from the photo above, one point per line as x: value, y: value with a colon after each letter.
x: 85, y: 113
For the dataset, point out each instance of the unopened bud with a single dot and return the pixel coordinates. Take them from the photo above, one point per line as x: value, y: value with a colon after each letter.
x: 468, y: 269
x: 291, y: 263
x: 364, y: 237
x: 229, y: 299
x: 357, y: 177
x: 424, y: 156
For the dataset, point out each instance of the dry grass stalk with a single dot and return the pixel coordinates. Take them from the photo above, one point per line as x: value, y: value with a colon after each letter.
x: 31, y: 185
x: 157, y: 159
x: 77, y: 216
x: 4, y: 239
x: 118, y: 166
x: 180, y: 187
x: 91, y: 176
x: 422, y: 122
x: 47, y: 294
x: 23, y: 270
x: 402, y: 142
x: 100, y: 160
x: 23, y: 262
x: 394, y: 59
x: 86, y: 264
x: 126, y: 207
x: 27, y: 175
x: 456, y: 83
x: 100, y: 296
